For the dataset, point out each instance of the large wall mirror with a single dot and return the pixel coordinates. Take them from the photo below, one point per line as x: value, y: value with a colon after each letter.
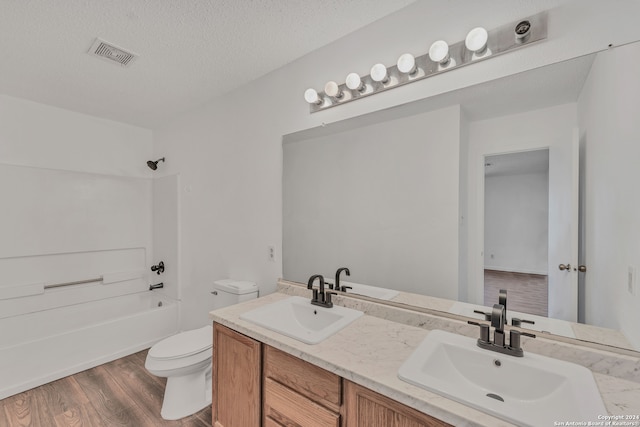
x: 530, y: 183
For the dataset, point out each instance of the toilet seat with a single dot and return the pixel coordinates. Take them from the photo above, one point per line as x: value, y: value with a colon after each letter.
x: 183, y: 344
x: 186, y: 350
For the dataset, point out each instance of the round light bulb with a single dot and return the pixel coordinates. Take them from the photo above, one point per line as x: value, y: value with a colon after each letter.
x: 379, y: 73
x: 476, y: 40
x: 354, y: 82
x: 332, y: 89
x: 407, y: 64
x: 311, y: 96
x: 439, y: 52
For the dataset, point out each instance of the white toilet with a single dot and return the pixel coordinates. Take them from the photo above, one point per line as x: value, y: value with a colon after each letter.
x: 185, y: 358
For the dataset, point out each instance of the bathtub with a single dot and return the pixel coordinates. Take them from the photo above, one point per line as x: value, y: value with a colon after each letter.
x: 43, y: 346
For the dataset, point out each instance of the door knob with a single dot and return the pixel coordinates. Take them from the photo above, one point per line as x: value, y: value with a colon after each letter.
x: 582, y: 268
x: 563, y: 267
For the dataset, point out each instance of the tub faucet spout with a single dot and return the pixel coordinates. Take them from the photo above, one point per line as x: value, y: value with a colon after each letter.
x: 157, y: 286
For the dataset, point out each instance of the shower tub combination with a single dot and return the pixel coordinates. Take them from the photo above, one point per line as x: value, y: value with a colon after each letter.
x: 43, y: 346
x: 74, y: 263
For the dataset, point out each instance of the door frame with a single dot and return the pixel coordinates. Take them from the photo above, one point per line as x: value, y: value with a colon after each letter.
x: 476, y: 242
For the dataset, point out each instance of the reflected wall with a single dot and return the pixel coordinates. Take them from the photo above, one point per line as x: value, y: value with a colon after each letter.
x: 381, y: 199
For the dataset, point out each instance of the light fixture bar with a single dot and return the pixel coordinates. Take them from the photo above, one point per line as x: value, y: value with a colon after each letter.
x: 505, y: 38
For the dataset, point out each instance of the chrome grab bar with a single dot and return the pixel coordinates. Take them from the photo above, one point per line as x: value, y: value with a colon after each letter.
x: 77, y: 282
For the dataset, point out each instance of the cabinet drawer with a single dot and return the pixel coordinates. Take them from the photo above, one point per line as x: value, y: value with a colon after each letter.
x: 286, y: 407
x: 309, y: 380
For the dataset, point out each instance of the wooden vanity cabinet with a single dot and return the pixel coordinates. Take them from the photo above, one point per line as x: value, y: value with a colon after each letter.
x: 364, y: 407
x: 257, y: 385
x: 236, y: 379
x: 297, y: 393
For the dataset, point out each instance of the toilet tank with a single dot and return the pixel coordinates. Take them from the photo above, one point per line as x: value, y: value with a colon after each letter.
x: 228, y: 292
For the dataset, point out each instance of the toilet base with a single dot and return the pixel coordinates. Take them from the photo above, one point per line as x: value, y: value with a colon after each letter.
x: 187, y: 394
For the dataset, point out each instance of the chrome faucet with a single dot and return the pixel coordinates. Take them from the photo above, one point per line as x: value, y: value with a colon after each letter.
x: 320, y: 297
x: 499, y: 344
x: 502, y: 299
x: 498, y: 320
x: 337, y: 282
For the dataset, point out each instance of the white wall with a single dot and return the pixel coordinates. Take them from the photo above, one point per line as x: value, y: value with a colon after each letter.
x: 42, y: 136
x: 381, y: 200
x: 76, y: 203
x: 229, y: 151
x: 516, y: 222
x: 608, y: 111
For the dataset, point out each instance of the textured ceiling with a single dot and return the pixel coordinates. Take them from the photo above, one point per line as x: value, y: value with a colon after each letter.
x: 190, y: 50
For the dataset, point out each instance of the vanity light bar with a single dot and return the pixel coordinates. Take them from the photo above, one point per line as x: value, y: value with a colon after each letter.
x: 479, y: 45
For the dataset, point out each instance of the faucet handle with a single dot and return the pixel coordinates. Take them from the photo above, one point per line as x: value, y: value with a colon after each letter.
x: 328, y: 302
x: 487, y: 316
x: 344, y: 288
x: 518, y: 322
x: 484, y: 331
x: 514, y: 339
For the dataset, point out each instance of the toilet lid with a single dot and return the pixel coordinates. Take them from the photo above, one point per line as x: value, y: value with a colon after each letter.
x: 184, y: 344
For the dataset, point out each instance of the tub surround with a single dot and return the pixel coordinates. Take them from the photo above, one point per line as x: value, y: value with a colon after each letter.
x: 386, y: 336
x: 48, y: 345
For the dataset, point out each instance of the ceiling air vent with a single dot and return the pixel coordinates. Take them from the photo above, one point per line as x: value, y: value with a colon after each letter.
x: 112, y: 53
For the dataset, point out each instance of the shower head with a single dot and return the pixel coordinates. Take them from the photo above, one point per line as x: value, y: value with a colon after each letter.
x: 154, y: 165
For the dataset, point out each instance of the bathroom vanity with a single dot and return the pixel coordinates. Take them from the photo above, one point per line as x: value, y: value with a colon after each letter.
x: 293, y: 392
x: 261, y: 377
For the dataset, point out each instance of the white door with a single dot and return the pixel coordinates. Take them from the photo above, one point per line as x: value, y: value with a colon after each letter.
x: 563, y: 229
x: 563, y: 226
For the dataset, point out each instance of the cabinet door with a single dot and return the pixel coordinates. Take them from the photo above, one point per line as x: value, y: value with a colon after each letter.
x: 235, y: 379
x: 364, y: 407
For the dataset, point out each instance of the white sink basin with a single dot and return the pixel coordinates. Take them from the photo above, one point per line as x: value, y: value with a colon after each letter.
x: 297, y: 318
x: 529, y: 391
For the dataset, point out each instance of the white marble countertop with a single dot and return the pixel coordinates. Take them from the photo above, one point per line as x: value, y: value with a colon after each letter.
x: 370, y: 351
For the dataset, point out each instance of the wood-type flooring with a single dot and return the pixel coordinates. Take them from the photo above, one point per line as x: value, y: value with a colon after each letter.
x: 119, y: 393
x: 527, y: 293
